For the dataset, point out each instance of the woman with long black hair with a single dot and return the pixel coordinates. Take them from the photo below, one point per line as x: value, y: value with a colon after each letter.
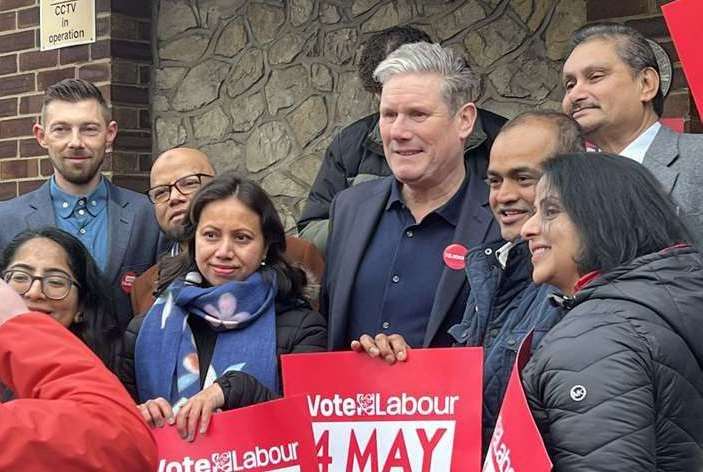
x: 55, y: 274
x: 617, y: 384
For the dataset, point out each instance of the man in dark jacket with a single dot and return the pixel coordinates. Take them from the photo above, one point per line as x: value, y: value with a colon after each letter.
x: 356, y: 152
x: 504, y: 305
x: 385, y: 272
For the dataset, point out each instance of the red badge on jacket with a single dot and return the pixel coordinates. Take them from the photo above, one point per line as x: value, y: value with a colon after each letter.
x: 455, y: 256
x: 127, y: 281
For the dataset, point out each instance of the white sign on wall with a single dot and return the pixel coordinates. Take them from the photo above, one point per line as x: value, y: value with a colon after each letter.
x: 66, y: 23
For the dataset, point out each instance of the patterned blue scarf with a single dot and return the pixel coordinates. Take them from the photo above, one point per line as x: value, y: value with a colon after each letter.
x: 242, y: 313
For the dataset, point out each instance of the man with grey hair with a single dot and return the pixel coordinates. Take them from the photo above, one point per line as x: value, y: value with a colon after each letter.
x: 355, y: 154
x: 613, y: 90
x: 389, y: 238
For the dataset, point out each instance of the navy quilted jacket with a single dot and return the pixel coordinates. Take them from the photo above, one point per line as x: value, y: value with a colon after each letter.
x: 617, y: 384
x: 502, y: 308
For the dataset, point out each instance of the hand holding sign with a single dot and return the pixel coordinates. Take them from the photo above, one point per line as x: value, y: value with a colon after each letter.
x: 388, y: 348
x: 195, y: 414
x: 157, y: 412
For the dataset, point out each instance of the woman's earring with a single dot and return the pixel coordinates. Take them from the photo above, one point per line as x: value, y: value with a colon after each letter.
x: 263, y: 263
x: 79, y: 317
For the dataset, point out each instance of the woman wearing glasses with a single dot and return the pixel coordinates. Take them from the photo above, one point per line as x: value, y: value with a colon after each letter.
x: 56, y: 275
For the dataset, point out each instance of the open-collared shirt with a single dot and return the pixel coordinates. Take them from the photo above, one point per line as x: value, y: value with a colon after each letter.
x: 638, y: 148
x: 395, y: 285
x: 85, y: 217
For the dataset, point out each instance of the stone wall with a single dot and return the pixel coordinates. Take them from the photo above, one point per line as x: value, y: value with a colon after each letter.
x: 262, y: 86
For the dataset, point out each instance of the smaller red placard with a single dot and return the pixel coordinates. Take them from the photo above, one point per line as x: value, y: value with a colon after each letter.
x: 516, y: 443
x: 271, y: 436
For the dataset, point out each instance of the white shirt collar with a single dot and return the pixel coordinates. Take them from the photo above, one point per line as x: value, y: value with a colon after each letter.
x: 502, y: 253
x: 638, y: 148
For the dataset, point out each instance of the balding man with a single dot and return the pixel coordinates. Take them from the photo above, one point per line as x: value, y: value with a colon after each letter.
x: 175, y: 177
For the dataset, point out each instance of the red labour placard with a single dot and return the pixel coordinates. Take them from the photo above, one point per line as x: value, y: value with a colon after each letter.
x: 423, y: 415
x: 516, y: 445
x: 272, y: 436
x: 683, y: 18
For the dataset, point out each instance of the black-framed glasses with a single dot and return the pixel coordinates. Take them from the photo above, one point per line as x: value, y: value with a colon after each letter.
x: 54, y: 287
x: 185, y: 185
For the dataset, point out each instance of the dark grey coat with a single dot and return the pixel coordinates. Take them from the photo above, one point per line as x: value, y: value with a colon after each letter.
x: 675, y: 160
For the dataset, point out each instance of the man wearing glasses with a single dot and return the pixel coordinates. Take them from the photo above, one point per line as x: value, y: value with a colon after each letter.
x: 175, y: 177
x: 116, y: 225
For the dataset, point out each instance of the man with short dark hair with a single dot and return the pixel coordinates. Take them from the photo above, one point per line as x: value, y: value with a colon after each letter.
x: 116, y: 225
x: 384, y: 270
x: 612, y: 88
x: 504, y: 305
x: 356, y: 152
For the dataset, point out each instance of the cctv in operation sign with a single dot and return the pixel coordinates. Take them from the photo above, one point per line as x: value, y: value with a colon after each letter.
x: 66, y: 23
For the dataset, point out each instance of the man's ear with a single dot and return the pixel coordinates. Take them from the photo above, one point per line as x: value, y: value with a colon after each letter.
x: 649, y: 83
x: 39, y: 134
x: 467, y: 118
x: 111, y: 135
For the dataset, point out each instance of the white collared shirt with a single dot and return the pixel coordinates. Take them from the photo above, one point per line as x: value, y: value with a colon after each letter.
x: 502, y: 253
x: 638, y: 148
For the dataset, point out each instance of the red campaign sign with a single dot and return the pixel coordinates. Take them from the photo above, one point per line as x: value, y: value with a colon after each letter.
x: 516, y: 445
x: 423, y: 415
x: 271, y: 436
x: 677, y: 124
x: 683, y: 18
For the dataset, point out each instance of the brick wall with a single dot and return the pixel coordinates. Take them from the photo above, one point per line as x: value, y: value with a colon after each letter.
x: 119, y: 62
x: 646, y: 17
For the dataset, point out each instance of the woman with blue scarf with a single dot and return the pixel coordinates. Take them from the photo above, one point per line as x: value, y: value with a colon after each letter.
x: 227, y: 307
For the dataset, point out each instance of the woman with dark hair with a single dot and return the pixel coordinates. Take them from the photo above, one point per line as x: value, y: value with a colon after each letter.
x: 226, y: 308
x: 617, y: 384
x: 56, y: 275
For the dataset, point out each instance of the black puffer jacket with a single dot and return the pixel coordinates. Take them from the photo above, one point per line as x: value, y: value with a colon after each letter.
x: 617, y: 384
x: 298, y: 329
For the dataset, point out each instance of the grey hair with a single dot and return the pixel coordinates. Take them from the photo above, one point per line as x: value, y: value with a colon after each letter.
x: 459, y: 85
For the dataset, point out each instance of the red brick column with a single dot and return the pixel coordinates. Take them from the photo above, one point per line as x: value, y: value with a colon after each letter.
x: 646, y: 17
x: 119, y: 62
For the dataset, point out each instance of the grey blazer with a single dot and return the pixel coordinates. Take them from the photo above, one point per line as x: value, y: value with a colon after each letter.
x: 133, y: 234
x: 675, y: 159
